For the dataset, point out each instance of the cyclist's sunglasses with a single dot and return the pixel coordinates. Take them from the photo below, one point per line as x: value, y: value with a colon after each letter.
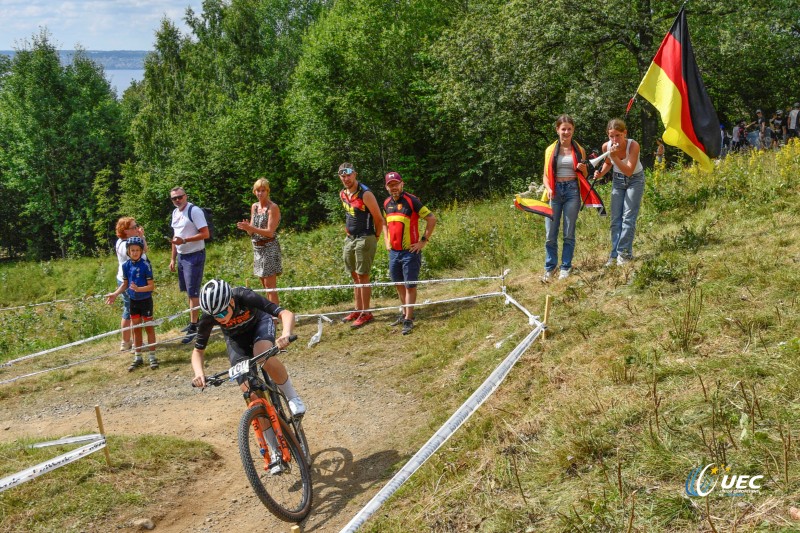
x: 224, y: 313
x: 346, y: 171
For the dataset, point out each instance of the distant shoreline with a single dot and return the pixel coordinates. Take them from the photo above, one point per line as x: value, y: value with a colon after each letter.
x: 108, y: 59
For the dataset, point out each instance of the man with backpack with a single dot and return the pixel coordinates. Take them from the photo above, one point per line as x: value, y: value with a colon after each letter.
x: 191, y: 230
x: 403, y: 211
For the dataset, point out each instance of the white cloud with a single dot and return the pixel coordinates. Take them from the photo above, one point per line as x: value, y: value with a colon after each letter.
x: 94, y: 24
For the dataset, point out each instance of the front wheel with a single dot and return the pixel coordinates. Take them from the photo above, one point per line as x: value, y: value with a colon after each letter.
x: 287, y: 495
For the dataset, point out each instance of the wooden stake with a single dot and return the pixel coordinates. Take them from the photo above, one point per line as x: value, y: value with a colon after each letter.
x: 547, y: 301
x: 102, y: 432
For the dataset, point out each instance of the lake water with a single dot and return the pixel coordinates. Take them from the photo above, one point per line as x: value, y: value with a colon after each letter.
x: 122, y: 79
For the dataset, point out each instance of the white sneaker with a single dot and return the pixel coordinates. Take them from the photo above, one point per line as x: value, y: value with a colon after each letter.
x: 546, y: 276
x: 621, y: 260
x: 611, y: 262
x: 124, y: 346
x: 297, y: 407
x: 564, y: 274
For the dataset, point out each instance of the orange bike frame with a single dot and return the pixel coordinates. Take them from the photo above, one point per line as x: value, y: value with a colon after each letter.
x: 272, y: 414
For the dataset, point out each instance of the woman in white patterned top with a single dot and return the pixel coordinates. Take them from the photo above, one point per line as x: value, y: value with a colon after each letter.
x: 264, y: 219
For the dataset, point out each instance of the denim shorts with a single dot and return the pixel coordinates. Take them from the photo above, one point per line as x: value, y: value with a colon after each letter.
x: 126, y: 303
x: 190, y: 272
x: 404, y: 266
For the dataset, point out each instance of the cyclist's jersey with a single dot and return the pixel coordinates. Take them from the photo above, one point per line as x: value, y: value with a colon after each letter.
x: 139, y: 272
x: 248, y: 309
x: 402, y: 220
x: 358, y: 219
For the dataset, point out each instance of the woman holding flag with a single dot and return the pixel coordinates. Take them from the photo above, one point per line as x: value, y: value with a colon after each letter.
x: 627, y: 191
x: 564, y: 180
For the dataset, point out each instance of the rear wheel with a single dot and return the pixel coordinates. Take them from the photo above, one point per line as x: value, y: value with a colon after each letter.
x: 287, y: 495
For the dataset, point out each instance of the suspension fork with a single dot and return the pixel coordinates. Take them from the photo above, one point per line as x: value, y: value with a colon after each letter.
x: 272, y: 415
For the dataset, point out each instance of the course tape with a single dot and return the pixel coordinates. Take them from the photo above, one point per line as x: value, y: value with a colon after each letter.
x: 152, y: 323
x: 68, y: 440
x: 158, y: 322
x: 445, y: 432
x: 51, y: 464
x: 53, y: 302
x: 284, y: 289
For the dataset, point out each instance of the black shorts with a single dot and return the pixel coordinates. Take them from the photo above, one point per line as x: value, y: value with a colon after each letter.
x: 142, y: 309
x: 240, y: 347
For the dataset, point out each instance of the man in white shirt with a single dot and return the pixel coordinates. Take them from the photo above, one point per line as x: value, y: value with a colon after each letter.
x: 792, y: 121
x: 189, y: 249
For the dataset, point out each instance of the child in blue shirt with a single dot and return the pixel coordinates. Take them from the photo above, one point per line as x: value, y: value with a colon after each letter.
x: 137, y: 278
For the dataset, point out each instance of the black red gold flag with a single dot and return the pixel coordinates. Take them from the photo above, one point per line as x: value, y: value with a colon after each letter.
x: 674, y: 86
x: 534, y: 206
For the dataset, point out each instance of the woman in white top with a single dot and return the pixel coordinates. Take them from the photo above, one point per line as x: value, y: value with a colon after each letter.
x: 126, y: 227
x: 627, y: 191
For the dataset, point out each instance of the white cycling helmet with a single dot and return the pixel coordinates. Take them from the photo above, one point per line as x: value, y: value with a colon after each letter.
x: 215, y: 296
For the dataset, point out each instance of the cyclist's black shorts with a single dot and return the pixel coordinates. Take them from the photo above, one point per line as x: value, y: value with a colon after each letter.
x: 240, y: 347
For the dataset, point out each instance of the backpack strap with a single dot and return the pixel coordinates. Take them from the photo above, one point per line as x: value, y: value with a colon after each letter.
x: 189, y: 213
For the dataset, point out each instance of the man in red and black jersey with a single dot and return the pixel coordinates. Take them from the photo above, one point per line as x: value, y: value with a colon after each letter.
x: 403, y: 211
x: 363, y: 224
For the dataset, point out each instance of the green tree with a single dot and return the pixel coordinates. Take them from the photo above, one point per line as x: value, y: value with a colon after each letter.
x: 61, y: 124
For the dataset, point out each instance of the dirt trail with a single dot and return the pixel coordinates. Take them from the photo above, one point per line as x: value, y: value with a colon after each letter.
x: 356, y: 425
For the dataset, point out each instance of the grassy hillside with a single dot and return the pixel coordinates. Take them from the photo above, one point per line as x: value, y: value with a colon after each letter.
x: 686, y: 357
x: 689, y: 357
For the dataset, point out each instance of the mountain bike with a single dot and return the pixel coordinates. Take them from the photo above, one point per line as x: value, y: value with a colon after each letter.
x: 287, y: 493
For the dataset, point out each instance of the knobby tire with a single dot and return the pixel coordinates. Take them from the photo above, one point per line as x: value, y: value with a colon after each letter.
x: 288, y: 495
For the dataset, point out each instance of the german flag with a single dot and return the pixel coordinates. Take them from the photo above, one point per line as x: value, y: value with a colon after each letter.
x: 530, y: 205
x: 674, y: 86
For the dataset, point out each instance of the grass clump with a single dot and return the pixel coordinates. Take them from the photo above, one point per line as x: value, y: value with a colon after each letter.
x: 89, y: 495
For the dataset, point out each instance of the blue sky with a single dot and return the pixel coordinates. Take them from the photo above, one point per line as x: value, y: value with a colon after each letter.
x: 94, y: 24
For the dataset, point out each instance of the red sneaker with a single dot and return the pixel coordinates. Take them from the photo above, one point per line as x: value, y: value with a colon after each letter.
x: 363, y: 320
x: 352, y: 316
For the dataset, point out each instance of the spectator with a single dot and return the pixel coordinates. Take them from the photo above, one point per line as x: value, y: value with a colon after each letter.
x: 137, y: 281
x: 562, y: 165
x: 403, y: 211
x: 188, y: 252
x: 761, y: 124
x: 126, y: 228
x: 363, y: 224
x: 792, y: 125
x: 246, y: 321
x: 627, y: 191
x: 738, y: 136
x: 659, y: 151
x: 264, y: 219
x: 778, y: 128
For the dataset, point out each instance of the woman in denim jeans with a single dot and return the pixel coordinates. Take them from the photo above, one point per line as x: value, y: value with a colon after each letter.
x: 564, y: 183
x: 627, y: 191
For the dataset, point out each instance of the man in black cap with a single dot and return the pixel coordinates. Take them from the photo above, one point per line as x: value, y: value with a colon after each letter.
x: 403, y: 211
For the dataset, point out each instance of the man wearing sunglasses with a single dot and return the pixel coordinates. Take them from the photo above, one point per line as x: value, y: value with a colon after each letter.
x: 188, y: 252
x: 363, y: 223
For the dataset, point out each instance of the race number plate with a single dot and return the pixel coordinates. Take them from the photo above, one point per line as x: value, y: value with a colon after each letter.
x: 239, y: 369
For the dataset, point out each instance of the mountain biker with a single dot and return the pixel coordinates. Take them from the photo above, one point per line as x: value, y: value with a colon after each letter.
x: 245, y: 319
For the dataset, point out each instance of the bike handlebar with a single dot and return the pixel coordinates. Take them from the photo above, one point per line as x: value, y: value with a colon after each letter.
x: 218, y: 379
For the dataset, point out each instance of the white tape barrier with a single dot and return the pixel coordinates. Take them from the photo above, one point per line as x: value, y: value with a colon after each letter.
x: 53, y: 302
x: 285, y: 289
x: 170, y: 318
x: 57, y: 462
x: 445, y: 432
x: 90, y: 359
x: 152, y: 323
